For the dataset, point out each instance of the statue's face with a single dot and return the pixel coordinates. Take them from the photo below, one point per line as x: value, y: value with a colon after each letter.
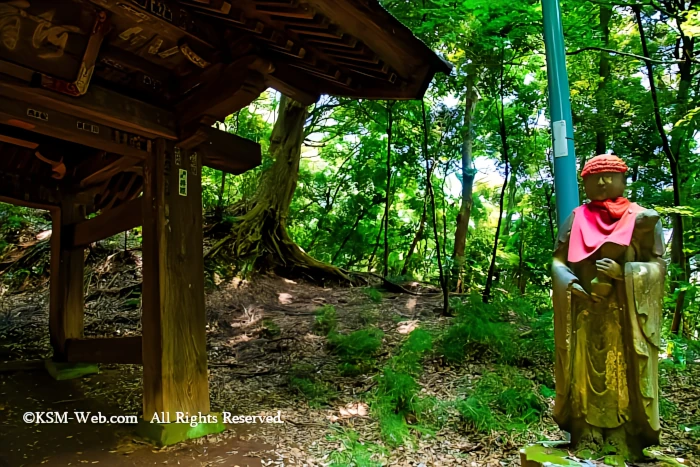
x: 605, y: 185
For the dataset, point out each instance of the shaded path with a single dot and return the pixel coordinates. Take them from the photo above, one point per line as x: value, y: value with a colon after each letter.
x: 23, y: 444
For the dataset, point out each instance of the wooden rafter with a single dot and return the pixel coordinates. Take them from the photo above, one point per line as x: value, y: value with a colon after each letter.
x: 298, y: 32
x: 234, y: 87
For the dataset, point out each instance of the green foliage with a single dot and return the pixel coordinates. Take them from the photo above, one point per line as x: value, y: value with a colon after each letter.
x: 255, y: 123
x: 666, y: 408
x: 681, y: 351
x: 432, y: 413
x: 374, y: 294
x: 397, y: 394
x: 409, y: 358
x: 14, y: 218
x: 498, y: 329
x: 479, y: 328
x: 304, y: 381
x: 394, y: 429
x: 547, y: 392
x: 270, y: 328
x: 476, y: 414
x: 357, y: 347
x: 326, y: 321
x: 396, y: 391
x: 503, y: 399
x: 353, y: 452
x: 693, y: 431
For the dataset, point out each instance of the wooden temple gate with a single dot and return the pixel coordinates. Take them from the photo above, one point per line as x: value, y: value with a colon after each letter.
x: 107, y: 107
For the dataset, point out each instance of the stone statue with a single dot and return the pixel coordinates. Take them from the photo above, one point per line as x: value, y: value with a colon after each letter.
x: 608, y: 284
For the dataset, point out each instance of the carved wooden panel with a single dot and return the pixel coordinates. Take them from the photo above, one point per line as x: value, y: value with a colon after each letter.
x: 46, y: 36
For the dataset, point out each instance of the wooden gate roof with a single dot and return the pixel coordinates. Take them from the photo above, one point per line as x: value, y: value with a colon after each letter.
x: 102, y: 79
x: 339, y: 47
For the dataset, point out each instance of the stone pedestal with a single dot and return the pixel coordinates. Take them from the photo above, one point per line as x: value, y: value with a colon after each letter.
x: 166, y: 434
x: 537, y: 455
x: 69, y: 370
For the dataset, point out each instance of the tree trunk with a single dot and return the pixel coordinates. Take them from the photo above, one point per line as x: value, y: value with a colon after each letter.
x: 376, y: 245
x: 387, y: 204
x: 604, y: 73
x: 416, y: 239
x: 510, y: 210
x: 429, y: 188
x: 220, y: 206
x: 680, y: 149
x: 504, y: 144
x: 673, y: 155
x: 444, y: 225
x: 521, y: 259
x: 468, y: 173
x: 259, y: 235
x: 548, y: 197
x: 347, y: 237
x: 330, y: 202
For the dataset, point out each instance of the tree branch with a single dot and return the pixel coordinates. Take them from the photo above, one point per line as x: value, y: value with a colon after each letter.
x: 626, y: 54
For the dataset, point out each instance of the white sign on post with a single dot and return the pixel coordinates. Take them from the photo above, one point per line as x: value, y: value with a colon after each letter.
x: 183, y: 183
x: 561, y: 147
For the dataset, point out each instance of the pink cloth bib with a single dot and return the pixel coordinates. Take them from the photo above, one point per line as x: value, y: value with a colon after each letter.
x: 598, y: 222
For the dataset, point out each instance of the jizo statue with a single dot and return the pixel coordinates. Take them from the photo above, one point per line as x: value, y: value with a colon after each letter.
x: 608, y: 284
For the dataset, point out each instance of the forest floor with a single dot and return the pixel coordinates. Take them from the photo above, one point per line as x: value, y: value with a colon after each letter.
x: 257, y: 333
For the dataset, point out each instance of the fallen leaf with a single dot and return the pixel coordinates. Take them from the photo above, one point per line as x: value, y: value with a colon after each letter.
x: 354, y: 409
x: 407, y: 327
x: 285, y: 298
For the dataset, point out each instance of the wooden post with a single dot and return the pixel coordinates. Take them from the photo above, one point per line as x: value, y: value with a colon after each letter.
x: 66, y: 303
x: 173, y: 321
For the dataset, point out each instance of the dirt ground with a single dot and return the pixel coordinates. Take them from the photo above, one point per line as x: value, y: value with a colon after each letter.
x: 248, y: 376
x: 26, y: 444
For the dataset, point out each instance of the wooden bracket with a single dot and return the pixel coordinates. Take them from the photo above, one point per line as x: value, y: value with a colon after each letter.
x: 124, y: 217
x: 101, y: 168
x: 87, y: 66
x: 221, y: 150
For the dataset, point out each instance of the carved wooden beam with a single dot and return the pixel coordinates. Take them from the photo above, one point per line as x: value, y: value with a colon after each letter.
x: 224, y: 151
x: 111, y: 222
x: 73, y: 34
x: 27, y: 204
x: 99, y: 105
x: 97, y: 169
x: 172, y: 19
x: 24, y: 142
x: 27, y: 191
x: 67, y: 127
x: 124, y: 350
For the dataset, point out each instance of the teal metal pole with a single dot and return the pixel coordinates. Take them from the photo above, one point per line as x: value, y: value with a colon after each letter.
x: 565, y: 180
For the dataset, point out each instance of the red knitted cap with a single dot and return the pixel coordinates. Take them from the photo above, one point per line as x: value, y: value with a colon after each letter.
x: 604, y: 163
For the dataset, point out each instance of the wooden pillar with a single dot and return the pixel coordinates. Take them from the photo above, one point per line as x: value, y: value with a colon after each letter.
x: 173, y: 321
x: 66, y: 303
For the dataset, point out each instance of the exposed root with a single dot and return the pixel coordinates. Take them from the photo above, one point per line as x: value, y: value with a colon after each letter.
x: 259, y: 235
x: 260, y: 239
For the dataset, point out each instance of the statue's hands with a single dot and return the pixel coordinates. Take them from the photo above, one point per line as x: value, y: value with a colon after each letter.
x: 578, y: 291
x: 609, y: 268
